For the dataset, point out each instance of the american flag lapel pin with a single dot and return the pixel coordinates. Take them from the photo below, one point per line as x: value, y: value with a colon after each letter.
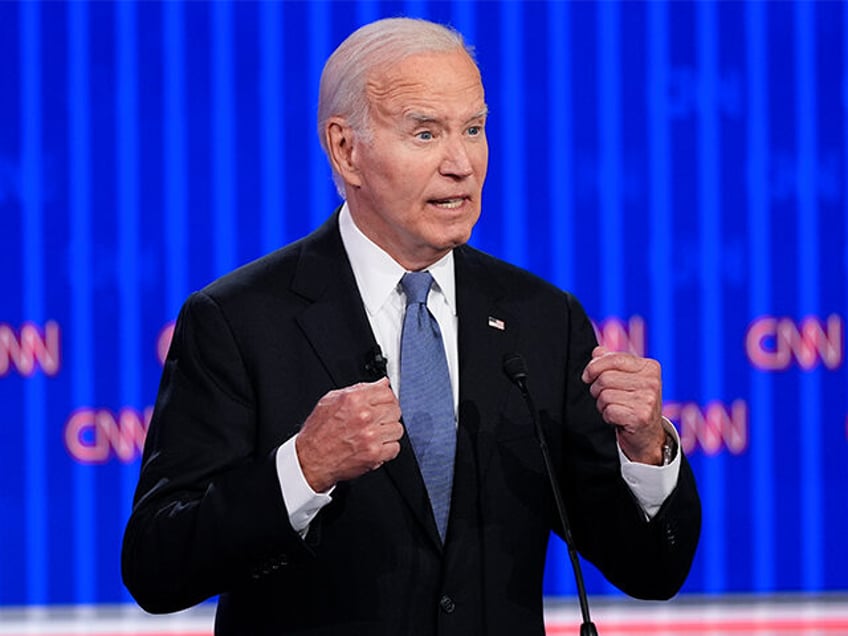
x: 496, y: 323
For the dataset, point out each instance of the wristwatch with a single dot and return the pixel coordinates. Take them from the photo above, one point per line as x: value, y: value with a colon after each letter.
x: 669, y: 449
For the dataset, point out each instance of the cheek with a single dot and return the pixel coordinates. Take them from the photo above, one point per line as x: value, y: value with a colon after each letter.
x: 482, y: 162
x: 407, y: 178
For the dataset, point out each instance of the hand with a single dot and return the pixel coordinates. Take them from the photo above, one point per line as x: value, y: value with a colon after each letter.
x: 350, y: 431
x: 628, y: 393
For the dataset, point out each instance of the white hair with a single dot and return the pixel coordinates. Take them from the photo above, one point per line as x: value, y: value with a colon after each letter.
x: 342, y: 92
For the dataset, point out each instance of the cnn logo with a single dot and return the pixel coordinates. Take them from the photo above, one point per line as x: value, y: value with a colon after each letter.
x: 94, y: 436
x: 775, y: 344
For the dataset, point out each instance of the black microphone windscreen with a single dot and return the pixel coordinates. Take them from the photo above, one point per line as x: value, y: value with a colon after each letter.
x: 375, y: 363
x: 514, y: 367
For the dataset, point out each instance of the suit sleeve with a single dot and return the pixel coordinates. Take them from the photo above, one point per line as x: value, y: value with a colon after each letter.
x: 645, y: 559
x: 208, y: 513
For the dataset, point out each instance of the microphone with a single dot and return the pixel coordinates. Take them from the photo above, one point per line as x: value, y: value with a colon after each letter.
x: 375, y: 363
x: 516, y: 371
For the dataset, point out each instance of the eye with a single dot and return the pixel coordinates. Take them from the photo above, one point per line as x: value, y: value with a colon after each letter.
x: 474, y: 131
x: 424, y: 135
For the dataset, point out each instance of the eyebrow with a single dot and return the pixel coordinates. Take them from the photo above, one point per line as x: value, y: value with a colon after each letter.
x: 484, y: 112
x: 423, y: 118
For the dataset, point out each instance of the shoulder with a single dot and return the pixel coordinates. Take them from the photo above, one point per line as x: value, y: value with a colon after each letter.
x: 274, y: 275
x: 512, y: 283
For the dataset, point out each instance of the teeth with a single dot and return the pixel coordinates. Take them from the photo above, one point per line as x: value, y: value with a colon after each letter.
x: 449, y: 204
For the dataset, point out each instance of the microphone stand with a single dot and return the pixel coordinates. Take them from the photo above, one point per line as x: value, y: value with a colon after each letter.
x: 516, y: 370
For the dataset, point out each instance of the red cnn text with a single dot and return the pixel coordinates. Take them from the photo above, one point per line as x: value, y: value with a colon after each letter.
x: 711, y: 428
x: 94, y: 436
x: 774, y: 344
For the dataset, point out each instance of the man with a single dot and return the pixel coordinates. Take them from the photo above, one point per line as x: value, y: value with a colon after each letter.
x: 277, y: 471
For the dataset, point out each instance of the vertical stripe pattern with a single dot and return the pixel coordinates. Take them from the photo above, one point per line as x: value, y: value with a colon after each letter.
x: 560, y: 174
x: 808, y: 301
x: 660, y: 187
x: 79, y: 126
x: 175, y: 159
x: 609, y: 164
x: 223, y: 136
x: 128, y: 230
x: 35, y: 440
x: 679, y: 162
x: 273, y: 138
x: 759, y: 249
x: 711, y: 268
x: 513, y: 157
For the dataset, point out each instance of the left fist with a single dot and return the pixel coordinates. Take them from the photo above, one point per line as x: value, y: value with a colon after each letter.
x: 628, y: 393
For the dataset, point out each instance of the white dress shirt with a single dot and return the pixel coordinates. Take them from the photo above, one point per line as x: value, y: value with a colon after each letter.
x: 378, y: 278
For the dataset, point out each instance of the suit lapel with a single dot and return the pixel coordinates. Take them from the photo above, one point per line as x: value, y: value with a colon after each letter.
x: 337, y: 327
x: 334, y: 322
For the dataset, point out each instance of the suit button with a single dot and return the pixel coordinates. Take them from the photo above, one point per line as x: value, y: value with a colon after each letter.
x: 671, y: 534
x: 447, y: 604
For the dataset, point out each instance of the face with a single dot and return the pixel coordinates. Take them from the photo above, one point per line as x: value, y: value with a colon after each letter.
x: 414, y: 184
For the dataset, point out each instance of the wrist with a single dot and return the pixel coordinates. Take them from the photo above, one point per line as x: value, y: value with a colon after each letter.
x: 653, y: 453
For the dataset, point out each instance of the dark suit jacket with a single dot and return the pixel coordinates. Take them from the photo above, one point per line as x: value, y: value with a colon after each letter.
x: 252, y: 354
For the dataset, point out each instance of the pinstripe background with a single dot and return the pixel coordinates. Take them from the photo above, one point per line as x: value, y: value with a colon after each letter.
x: 684, y: 162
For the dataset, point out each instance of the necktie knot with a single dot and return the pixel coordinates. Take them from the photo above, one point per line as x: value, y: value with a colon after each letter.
x: 416, y: 286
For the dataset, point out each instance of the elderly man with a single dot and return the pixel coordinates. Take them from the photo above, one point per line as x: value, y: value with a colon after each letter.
x: 336, y: 448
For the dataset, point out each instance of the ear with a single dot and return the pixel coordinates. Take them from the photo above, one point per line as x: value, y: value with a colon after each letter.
x: 340, y: 140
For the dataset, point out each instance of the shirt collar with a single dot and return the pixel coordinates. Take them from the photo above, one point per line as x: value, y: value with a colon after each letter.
x: 378, y: 274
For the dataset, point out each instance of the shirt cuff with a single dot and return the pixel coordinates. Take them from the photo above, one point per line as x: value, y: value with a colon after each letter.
x: 651, y: 485
x: 302, y: 503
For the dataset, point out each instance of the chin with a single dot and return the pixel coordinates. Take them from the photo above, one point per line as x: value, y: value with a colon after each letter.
x: 459, y: 240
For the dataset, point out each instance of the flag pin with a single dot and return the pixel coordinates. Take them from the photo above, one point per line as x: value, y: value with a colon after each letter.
x: 496, y: 323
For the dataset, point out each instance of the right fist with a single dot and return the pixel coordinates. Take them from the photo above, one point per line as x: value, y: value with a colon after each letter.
x: 350, y: 431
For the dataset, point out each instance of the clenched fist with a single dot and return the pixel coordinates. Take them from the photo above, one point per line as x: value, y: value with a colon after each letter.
x: 628, y: 393
x: 350, y: 431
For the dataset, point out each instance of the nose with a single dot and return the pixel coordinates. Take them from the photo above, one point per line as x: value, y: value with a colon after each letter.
x: 456, y: 162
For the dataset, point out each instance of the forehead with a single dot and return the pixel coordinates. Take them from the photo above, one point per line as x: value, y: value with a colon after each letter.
x: 428, y: 81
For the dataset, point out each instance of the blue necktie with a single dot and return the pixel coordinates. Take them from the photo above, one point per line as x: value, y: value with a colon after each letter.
x: 426, y: 398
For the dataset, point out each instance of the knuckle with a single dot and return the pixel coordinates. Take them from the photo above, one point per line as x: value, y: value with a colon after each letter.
x: 368, y: 436
x: 362, y: 415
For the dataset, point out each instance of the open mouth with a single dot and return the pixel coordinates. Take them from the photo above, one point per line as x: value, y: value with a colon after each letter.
x: 448, y: 204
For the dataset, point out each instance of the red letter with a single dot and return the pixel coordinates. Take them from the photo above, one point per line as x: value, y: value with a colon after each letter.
x: 83, y: 439
x: 814, y: 344
x: 761, y: 355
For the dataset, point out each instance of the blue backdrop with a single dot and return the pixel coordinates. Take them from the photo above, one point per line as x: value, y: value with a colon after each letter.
x: 680, y: 166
